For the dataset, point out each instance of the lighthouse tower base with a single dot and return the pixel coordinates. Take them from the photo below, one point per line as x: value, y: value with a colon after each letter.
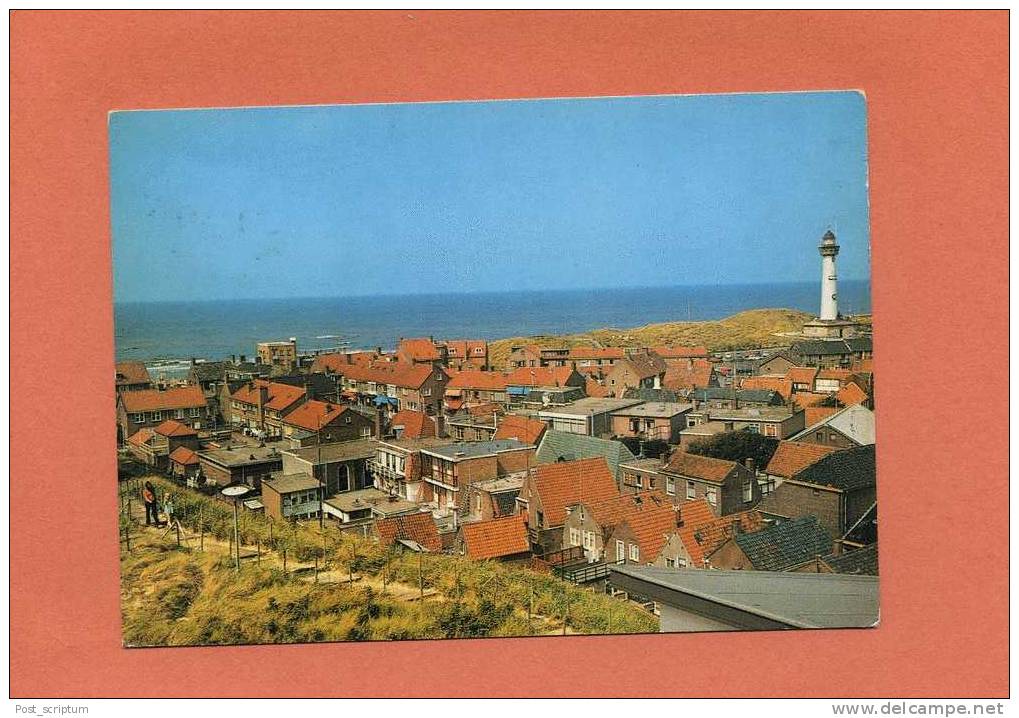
x: 830, y: 329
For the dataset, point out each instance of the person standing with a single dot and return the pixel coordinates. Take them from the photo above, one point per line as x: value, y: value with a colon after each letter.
x: 151, y: 508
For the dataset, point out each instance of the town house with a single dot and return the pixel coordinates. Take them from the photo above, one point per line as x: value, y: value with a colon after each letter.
x: 324, y: 422
x: 340, y: 466
x: 699, y: 534
x: 472, y: 387
x: 589, y: 416
x: 727, y: 486
x: 850, y: 427
x: 262, y: 405
x: 154, y: 446
x: 132, y: 376
x: 296, y: 496
x: 464, y: 354
x: 790, y: 458
x: 421, y: 350
x: 248, y: 465
x: 838, y: 489
x: 397, y: 385
x: 641, y: 533
x: 502, y: 539
x: 651, y: 421
x: 777, y: 422
x: 596, y: 356
x: 448, y: 471
x: 149, y: 408
x: 396, y: 467
x: 281, y: 357
x: 639, y: 370
x: 549, y: 488
x: 475, y: 423
x: 589, y: 523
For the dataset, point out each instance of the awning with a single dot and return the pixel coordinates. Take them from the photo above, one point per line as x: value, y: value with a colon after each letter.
x: 382, y: 400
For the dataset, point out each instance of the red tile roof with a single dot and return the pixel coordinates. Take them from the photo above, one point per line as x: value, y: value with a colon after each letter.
x: 667, y: 352
x: 401, y: 374
x: 416, y: 424
x: 313, y: 415
x: 814, y: 414
x: 651, y: 523
x: 594, y: 389
x: 336, y: 362
x: 840, y: 374
x: 184, y: 456
x: 695, y: 513
x: 475, y: 380
x: 782, y: 385
x: 702, y: 540
x: 699, y: 467
x: 281, y: 396
x: 791, y: 457
x: 141, y: 437
x: 496, y: 538
x: 419, y: 527
x: 467, y: 348
x: 802, y: 375
x: 851, y: 394
x: 643, y: 366
x: 863, y: 366
x: 679, y: 377
x: 419, y: 349
x: 132, y: 372
x: 485, y: 410
x: 181, y: 397
x: 808, y: 398
x: 569, y: 482
x: 175, y: 428
x: 539, y: 376
x: 528, y: 431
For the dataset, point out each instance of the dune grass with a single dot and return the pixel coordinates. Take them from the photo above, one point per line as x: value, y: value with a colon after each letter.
x: 750, y: 329
x: 183, y: 596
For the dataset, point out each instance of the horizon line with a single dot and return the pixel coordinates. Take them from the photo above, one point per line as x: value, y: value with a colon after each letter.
x: 472, y: 293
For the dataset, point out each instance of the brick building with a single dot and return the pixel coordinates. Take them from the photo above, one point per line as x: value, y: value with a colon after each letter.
x: 448, y: 471
x: 262, y: 405
x: 324, y: 422
x: 727, y: 486
x: 148, y: 408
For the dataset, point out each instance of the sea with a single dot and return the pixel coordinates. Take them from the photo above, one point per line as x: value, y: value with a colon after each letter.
x: 166, y: 333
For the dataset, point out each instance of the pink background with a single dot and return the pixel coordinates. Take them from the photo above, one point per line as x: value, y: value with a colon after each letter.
x: 937, y: 89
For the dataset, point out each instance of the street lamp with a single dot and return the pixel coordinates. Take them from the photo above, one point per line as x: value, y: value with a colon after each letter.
x: 235, y: 493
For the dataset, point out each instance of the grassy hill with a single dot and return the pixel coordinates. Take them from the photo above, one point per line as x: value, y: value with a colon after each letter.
x: 185, y: 596
x: 745, y: 330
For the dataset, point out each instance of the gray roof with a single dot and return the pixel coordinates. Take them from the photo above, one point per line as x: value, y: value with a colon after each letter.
x: 651, y: 394
x: 785, y: 544
x: 656, y: 409
x: 209, y: 370
x: 847, y: 470
x: 761, y: 599
x: 289, y: 483
x: 864, y: 531
x: 856, y: 422
x: 861, y: 562
x: 828, y: 347
x: 557, y: 445
x: 336, y: 452
x: 756, y: 396
x: 241, y: 455
x: 592, y: 405
x: 474, y: 449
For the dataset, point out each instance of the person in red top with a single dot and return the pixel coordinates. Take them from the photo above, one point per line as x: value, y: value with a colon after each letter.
x: 151, y: 508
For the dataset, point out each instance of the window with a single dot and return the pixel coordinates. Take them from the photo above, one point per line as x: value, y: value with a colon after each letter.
x: 179, y: 414
x: 712, y: 497
x: 670, y: 486
x: 195, y: 411
x: 681, y: 562
x: 156, y: 416
x: 770, y: 430
x: 541, y: 519
x: 366, y: 431
x: 691, y: 490
x: 137, y: 418
x: 347, y: 420
x: 748, y: 490
x: 574, y: 537
x: 634, y: 552
x: 819, y: 436
x: 670, y: 563
x: 620, y: 550
x: 589, y: 540
x: 426, y: 392
x: 754, y: 428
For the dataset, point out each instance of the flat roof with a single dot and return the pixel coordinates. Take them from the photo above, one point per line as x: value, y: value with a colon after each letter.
x: 593, y: 405
x: 337, y: 451
x: 763, y: 413
x: 475, y: 449
x: 502, y: 483
x: 708, y: 428
x: 798, y: 600
x: 242, y: 455
x: 371, y: 498
x: 660, y: 409
x: 289, y: 483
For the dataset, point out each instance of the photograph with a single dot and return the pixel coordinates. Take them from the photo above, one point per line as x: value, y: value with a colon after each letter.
x: 510, y: 368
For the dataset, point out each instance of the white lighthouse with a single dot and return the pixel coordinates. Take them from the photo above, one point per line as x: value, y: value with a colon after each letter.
x: 829, y: 249
x: 829, y: 324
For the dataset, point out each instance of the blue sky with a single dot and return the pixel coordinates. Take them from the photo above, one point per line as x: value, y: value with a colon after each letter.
x: 486, y: 196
